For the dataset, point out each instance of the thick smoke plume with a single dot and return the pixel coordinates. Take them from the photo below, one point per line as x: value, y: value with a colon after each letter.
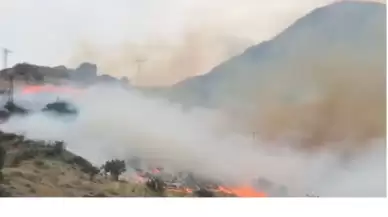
x: 328, y: 137
x: 116, y: 123
x: 334, y: 100
x: 163, y: 61
x: 207, y: 34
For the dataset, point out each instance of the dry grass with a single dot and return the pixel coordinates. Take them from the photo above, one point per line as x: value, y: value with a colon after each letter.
x: 51, y: 178
x: 37, y: 174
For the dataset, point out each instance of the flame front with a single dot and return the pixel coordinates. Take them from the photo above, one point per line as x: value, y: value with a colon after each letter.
x: 242, y: 191
x: 246, y: 191
x: 31, y: 89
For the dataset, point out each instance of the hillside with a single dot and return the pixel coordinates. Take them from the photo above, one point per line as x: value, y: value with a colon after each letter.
x: 38, y: 169
x: 30, y: 171
x: 344, y: 36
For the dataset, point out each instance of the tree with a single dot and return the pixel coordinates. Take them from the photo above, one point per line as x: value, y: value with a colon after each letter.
x: 115, y: 168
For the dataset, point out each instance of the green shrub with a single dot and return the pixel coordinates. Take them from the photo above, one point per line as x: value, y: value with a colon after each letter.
x: 25, y: 155
x: 115, y: 168
x: 41, y: 164
x: 85, y: 166
x: 55, y: 149
x: 80, y: 162
x: 59, y: 147
x: 93, y: 171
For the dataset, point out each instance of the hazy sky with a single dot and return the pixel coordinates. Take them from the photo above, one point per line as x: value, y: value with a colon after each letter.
x: 47, y: 31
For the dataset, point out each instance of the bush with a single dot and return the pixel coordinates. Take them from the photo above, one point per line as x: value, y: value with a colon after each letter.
x: 59, y: 147
x: 85, y: 166
x: 39, y: 163
x: 56, y: 149
x: 115, y: 168
x: 93, y: 171
x: 81, y: 163
x: 25, y: 155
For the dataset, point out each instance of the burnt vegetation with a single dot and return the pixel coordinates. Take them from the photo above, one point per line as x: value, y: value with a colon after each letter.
x: 202, y: 192
x: 156, y: 184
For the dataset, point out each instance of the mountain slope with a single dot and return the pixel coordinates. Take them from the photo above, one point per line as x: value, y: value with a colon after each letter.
x: 32, y: 168
x: 345, y: 36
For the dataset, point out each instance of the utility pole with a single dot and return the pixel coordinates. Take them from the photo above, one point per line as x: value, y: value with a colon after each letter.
x: 139, y: 62
x: 5, y: 56
x: 11, y: 78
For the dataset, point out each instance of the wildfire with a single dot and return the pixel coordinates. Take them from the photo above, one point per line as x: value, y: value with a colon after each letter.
x: 139, y: 180
x: 31, y: 89
x: 184, y: 190
x: 155, y: 171
x: 238, y: 191
x: 225, y: 190
x: 243, y: 191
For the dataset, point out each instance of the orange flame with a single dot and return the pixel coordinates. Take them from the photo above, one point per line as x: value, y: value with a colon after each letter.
x: 154, y: 171
x: 238, y: 191
x: 31, y: 89
x: 139, y: 179
x: 188, y: 190
x: 243, y: 191
x: 225, y: 190
x: 184, y: 190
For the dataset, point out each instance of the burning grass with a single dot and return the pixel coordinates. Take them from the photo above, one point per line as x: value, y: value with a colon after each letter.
x: 48, y: 176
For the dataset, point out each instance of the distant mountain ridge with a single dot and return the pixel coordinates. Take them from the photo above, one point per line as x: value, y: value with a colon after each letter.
x: 353, y: 30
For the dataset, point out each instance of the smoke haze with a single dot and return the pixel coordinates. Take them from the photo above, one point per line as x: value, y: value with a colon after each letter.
x: 330, y: 141
x: 120, y: 124
x: 181, y: 37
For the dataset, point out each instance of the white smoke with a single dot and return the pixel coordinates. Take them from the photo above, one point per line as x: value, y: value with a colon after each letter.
x: 114, y: 123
